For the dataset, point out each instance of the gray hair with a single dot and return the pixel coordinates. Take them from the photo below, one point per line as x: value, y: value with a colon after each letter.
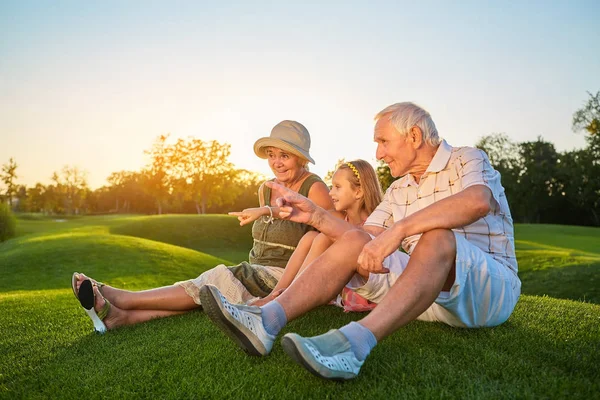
x: 404, y: 116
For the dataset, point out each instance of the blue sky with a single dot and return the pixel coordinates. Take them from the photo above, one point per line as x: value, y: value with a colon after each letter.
x: 92, y: 84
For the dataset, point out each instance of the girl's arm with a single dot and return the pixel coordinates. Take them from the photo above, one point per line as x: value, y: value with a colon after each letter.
x: 291, y: 269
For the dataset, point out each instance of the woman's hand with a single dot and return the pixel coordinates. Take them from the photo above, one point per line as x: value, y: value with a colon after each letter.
x: 272, y: 296
x: 250, y: 214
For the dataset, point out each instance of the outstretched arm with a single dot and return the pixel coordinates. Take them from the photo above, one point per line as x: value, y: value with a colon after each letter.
x: 252, y: 214
x: 295, y: 207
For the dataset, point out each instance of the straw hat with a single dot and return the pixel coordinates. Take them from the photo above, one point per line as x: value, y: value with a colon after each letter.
x: 290, y: 136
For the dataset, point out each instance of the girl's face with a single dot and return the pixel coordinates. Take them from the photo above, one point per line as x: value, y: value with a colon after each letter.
x: 343, y: 194
x: 286, y: 166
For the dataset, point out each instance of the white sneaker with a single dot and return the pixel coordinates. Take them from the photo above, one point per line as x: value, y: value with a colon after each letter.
x: 243, y: 324
x: 328, y: 356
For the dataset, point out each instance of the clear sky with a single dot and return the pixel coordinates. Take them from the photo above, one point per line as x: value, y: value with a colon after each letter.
x: 92, y: 83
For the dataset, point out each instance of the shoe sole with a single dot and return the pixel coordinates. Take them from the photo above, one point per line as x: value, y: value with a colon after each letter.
x: 229, y: 325
x: 293, y: 349
x: 87, y: 299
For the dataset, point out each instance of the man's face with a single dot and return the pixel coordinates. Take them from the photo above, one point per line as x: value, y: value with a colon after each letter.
x: 394, y: 148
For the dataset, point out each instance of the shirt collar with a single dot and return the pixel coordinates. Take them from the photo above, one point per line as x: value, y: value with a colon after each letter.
x: 438, y: 163
x: 440, y: 159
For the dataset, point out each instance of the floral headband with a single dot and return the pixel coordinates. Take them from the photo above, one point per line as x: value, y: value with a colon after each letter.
x: 353, y: 168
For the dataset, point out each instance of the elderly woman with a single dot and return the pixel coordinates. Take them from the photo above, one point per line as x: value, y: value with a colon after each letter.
x: 287, y: 151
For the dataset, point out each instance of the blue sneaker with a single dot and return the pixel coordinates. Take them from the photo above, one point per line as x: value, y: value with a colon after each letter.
x: 243, y: 324
x: 328, y: 356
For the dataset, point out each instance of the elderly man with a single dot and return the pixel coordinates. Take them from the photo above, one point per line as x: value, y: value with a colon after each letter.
x: 448, y: 212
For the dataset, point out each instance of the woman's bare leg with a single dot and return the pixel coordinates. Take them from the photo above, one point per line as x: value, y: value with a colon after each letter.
x: 166, y: 298
x: 118, y: 317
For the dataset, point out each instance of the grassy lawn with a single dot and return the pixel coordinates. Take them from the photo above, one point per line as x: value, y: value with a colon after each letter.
x: 549, y: 348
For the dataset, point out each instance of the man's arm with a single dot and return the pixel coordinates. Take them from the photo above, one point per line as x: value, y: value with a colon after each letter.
x: 458, y: 210
x: 295, y: 207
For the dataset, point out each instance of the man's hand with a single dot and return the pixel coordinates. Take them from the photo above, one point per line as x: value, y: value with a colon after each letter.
x: 373, y: 253
x: 292, y: 205
x: 249, y: 214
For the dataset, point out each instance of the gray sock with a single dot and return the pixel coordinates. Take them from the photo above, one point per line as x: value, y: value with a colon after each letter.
x: 361, y: 339
x: 273, y: 317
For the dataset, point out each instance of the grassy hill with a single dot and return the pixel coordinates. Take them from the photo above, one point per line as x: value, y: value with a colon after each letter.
x: 549, y: 348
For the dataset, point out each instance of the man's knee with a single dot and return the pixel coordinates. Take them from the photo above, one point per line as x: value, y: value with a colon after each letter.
x: 355, y: 237
x: 439, y: 241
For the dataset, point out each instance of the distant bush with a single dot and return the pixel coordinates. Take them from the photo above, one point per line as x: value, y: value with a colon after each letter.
x: 8, y: 223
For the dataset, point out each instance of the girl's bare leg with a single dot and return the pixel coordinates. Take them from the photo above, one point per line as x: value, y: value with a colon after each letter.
x: 319, y: 245
x: 297, y: 259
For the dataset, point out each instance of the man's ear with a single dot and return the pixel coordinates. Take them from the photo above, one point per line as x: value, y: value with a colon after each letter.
x: 415, y: 135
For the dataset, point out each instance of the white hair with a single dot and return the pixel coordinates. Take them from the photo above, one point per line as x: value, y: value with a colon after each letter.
x: 404, y: 116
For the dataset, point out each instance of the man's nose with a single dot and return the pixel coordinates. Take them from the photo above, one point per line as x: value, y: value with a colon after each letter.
x: 379, y: 152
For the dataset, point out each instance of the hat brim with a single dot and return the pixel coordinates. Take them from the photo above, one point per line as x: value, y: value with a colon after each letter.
x: 261, y: 145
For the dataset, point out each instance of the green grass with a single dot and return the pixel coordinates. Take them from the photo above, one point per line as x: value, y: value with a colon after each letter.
x: 559, y: 261
x: 549, y: 348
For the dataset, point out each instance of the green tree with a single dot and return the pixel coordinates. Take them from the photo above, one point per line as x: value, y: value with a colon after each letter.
x: 7, y: 223
x: 156, y: 180
x: 35, y: 201
x: 588, y: 119
x: 9, y: 175
x: 203, y: 171
x: 504, y: 156
x: 384, y: 175
x: 538, y: 191
x: 329, y: 175
x: 75, y: 189
x: 582, y: 168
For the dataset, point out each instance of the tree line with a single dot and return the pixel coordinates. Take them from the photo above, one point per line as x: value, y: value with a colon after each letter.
x: 190, y: 176
x: 194, y: 176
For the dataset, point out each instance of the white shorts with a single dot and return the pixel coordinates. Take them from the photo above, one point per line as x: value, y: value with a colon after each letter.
x: 484, y: 292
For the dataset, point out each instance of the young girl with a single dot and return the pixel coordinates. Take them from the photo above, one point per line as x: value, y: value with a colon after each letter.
x: 355, y: 192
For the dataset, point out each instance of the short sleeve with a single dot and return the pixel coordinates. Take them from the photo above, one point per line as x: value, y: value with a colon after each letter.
x: 475, y: 169
x: 382, y: 216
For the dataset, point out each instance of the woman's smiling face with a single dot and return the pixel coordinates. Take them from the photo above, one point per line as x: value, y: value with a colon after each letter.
x: 286, y: 166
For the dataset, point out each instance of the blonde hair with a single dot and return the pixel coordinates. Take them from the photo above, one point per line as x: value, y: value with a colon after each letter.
x: 404, y: 116
x: 363, y: 175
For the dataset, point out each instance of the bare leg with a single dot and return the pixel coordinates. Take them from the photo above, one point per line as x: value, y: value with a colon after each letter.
x: 431, y: 269
x: 119, y: 317
x: 296, y: 260
x: 325, y: 277
x: 168, y: 298
x: 319, y: 245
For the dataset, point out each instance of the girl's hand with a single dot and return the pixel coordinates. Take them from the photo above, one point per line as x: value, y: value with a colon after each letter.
x: 249, y: 214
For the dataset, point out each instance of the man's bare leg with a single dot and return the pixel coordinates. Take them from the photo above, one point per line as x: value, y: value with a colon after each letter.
x: 339, y: 354
x: 325, y: 277
x: 430, y: 270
